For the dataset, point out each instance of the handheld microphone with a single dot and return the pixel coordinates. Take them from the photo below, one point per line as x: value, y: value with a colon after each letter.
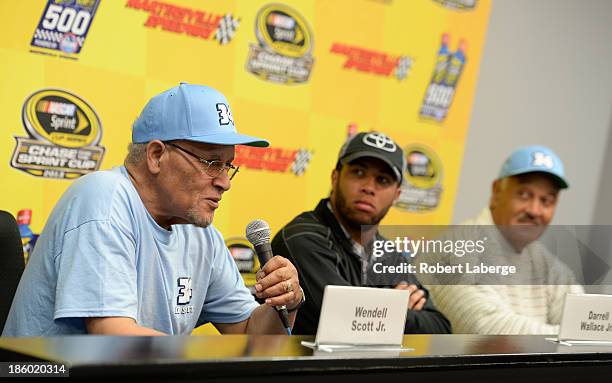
x: 258, y: 234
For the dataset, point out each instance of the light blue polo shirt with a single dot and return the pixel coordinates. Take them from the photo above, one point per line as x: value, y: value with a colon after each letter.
x: 102, y: 254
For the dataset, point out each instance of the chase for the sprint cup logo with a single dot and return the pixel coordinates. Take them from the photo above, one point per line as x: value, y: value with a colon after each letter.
x: 64, y: 24
x: 243, y: 254
x: 284, y: 52
x: 422, y: 186
x: 64, y: 135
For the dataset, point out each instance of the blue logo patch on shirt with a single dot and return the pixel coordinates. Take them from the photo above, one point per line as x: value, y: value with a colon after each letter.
x: 183, y: 297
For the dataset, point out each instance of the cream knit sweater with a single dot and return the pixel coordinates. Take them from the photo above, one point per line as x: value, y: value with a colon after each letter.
x: 510, y: 309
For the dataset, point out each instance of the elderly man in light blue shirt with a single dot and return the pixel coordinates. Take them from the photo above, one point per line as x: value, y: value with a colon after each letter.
x: 132, y: 250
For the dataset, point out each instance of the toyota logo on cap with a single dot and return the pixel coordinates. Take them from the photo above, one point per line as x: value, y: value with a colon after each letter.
x: 380, y: 141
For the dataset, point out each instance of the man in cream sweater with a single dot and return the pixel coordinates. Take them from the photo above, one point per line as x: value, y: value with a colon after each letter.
x: 522, y: 204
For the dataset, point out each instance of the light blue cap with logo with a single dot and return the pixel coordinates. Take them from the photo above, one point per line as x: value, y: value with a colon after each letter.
x: 535, y: 158
x: 190, y: 112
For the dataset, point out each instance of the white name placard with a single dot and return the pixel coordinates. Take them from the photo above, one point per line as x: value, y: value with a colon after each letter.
x: 362, y: 316
x: 586, y: 317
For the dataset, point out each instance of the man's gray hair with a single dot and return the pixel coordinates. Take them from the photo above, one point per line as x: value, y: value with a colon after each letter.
x: 136, y: 153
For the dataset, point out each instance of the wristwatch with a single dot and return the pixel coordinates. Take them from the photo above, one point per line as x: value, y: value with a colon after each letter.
x: 299, y: 304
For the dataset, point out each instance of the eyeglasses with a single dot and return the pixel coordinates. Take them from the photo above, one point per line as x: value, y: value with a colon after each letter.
x: 212, y: 168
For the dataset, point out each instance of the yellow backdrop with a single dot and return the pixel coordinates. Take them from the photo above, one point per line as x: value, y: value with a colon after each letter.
x: 302, y: 74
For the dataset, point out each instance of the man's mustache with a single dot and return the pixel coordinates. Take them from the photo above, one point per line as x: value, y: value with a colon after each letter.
x: 529, y: 218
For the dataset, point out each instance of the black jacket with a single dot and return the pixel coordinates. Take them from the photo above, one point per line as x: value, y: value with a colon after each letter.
x: 323, y: 255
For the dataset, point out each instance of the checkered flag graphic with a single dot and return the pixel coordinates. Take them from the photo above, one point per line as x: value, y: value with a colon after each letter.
x: 302, y: 158
x: 403, y: 67
x: 227, y: 29
x: 42, y: 34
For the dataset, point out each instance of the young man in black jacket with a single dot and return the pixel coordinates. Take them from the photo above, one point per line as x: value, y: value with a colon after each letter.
x: 331, y: 245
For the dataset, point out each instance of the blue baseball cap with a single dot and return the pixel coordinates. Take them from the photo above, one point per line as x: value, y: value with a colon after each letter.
x: 535, y: 158
x: 190, y: 112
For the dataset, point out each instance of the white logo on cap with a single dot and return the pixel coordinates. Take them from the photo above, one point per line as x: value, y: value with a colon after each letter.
x: 544, y: 160
x: 225, y: 115
x: 380, y: 141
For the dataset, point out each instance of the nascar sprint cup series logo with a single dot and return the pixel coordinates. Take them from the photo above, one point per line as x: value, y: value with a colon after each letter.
x: 64, y: 25
x: 421, y: 189
x: 64, y: 133
x: 284, y: 53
